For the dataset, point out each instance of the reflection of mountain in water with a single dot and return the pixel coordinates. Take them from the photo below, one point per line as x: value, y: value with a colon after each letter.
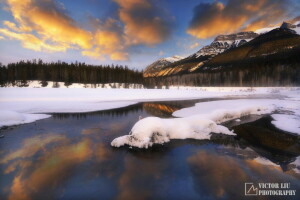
x: 162, y: 110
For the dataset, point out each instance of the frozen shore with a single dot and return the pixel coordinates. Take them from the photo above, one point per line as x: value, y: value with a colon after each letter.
x: 199, y: 121
x: 20, y: 102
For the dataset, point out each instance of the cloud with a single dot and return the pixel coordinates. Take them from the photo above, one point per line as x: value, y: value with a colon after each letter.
x: 32, y: 42
x: 44, y: 25
x: 161, y: 53
x: 211, y: 19
x: 108, y: 39
x: 194, y: 45
x: 48, y: 19
x: 144, y: 22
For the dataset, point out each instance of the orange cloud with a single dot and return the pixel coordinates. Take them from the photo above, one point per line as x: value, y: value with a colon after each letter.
x: 43, y: 25
x: 211, y: 19
x: 144, y: 22
x: 49, y: 20
x: 194, y: 45
x: 32, y: 42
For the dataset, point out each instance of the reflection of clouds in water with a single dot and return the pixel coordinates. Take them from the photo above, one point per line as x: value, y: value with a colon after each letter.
x: 139, y: 179
x: 89, y: 131
x: 57, y: 158
x: 214, y: 175
x: 33, y: 145
x: 223, y: 176
x: 118, y: 128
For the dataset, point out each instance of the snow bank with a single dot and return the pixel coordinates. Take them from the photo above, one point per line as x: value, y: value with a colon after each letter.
x: 9, y: 118
x: 225, y: 110
x: 51, y: 84
x: 289, y: 123
x: 66, y: 100
x: 154, y: 130
x: 199, y: 121
x: 238, y: 108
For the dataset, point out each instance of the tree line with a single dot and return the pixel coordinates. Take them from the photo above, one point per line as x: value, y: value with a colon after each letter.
x: 77, y: 72
x: 256, y: 76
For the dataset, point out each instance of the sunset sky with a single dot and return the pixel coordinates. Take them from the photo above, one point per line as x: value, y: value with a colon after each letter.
x: 131, y: 32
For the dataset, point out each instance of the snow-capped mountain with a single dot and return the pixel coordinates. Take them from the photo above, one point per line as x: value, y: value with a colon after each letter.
x: 161, y: 64
x: 293, y: 26
x: 224, y: 42
x: 218, y: 50
x: 221, y: 43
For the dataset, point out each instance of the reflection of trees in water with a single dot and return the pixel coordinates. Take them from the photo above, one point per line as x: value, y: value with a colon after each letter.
x: 118, y: 112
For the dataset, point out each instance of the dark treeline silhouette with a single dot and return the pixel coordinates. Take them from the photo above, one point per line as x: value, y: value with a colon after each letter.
x: 77, y: 72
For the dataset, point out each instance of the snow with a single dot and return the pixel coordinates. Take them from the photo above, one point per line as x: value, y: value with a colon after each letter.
x: 296, y: 164
x: 199, y: 121
x: 289, y: 123
x: 154, y: 130
x: 264, y: 30
x: 297, y: 29
x: 221, y: 111
x: 9, y: 118
x: 51, y: 84
x: 24, y: 101
x: 173, y: 58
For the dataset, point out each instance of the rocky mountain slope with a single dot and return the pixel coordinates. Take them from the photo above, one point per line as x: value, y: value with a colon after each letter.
x: 157, y: 66
x: 224, y: 42
x: 280, y: 45
x: 222, y: 45
x: 163, y: 67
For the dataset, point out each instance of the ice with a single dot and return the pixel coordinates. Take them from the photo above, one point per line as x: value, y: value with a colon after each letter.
x: 9, y: 118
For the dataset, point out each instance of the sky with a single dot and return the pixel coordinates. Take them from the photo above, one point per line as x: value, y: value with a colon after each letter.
x: 128, y: 32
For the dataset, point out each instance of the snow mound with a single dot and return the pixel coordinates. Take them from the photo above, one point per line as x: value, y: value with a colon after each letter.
x: 289, y: 123
x: 9, y: 118
x: 199, y: 121
x: 154, y: 130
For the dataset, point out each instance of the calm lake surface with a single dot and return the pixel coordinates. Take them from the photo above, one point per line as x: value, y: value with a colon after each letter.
x: 68, y: 156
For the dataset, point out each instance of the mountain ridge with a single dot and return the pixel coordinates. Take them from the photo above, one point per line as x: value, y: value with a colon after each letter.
x: 220, y: 44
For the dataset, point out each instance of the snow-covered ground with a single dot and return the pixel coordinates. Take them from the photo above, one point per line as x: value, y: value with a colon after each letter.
x: 51, y: 84
x: 17, y: 103
x: 199, y: 121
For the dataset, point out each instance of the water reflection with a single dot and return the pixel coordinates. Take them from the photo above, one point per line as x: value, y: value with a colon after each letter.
x: 222, y: 176
x: 69, y: 156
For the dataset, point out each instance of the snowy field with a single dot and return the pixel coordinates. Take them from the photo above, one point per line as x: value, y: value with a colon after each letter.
x: 25, y: 105
x: 51, y: 84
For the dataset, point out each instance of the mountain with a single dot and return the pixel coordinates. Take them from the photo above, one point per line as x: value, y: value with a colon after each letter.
x: 163, y: 67
x: 154, y: 68
x: 278, y: 46
x: 224, y: 42
x: 270, y: 59
x: 224, y: 47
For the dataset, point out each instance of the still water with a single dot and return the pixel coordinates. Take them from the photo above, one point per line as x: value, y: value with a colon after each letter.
x: 68, y: 156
